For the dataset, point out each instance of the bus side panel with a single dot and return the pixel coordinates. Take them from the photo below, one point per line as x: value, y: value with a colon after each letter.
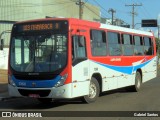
x: 111, y: 77
x: 150, y: 69
x: 80, y: 79
x: 109, y: 80
x: 115, y: 74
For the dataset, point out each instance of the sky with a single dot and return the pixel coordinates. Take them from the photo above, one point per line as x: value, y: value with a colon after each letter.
x: 150, y: 9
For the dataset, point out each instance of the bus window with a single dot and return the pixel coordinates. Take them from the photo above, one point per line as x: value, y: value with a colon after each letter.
x: 148, y: 46
x: 114, y: 44
x: 138, y: 45
x: 127, y: 45
x: 78, y: 47
x: 98, y: 43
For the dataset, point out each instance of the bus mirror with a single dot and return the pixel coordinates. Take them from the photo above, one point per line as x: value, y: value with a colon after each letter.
x: 81, y: 42
x: 2, y: 44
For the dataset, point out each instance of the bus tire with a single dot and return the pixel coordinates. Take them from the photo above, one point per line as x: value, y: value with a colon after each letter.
x: 94, y: 91
x: 138, y: 82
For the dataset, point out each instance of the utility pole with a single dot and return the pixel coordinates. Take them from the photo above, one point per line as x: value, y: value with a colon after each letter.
x: 158, y: 31
x: 80, y: 3
x: 133, y: 12
x: 112, y: 11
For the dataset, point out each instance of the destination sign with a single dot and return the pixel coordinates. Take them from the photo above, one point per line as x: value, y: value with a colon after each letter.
x: 38, y: 27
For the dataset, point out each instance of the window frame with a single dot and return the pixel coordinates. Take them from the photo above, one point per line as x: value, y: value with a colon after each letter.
x: 150, y: 45
x: 119, y: 42
x: 140, y: 45
x: 131, y: 44
x: 98, y: 44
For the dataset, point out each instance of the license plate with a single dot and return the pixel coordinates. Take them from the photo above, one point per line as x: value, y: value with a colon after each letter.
x: 34, y: 95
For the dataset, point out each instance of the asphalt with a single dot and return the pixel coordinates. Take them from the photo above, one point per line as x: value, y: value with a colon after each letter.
x: 3, y: 91
x: 4, y: 88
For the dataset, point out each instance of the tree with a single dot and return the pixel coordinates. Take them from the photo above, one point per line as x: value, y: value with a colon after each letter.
x: 158, y: 45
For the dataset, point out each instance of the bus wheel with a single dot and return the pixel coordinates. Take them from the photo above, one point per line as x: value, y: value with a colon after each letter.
x: 45, y: 100
x: 138, y: 82
x: 94, y: 91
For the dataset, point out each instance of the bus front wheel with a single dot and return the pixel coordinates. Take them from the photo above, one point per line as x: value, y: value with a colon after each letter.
x: 94, y: 90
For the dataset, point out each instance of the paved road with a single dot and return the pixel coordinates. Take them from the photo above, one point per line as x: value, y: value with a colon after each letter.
x: 148, y: 99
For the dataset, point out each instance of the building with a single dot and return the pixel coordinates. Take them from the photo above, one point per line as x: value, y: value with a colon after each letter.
x: 117, y: 22
x: 19, y: 10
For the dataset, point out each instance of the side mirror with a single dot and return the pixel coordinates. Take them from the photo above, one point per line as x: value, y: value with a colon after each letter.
x: 2, y: 44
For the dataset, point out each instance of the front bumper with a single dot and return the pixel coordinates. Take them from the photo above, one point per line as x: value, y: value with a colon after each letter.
x: 59, y: 92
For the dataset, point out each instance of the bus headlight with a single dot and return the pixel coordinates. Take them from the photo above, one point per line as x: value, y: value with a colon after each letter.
x: 61, y: 81
x: 10, y: 81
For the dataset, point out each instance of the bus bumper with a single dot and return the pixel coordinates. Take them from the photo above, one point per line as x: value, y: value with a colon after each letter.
x: 59, y: 92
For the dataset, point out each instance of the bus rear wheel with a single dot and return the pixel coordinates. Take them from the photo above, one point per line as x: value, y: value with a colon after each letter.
x: 138, y: 82
x: 94, y: 91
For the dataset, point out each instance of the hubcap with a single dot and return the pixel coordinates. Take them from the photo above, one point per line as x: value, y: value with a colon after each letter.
x: 138, y: 83
x: 92, y: 90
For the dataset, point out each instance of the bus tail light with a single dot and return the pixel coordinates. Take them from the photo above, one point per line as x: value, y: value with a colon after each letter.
x: 10, y: 81
x: 61, y: 81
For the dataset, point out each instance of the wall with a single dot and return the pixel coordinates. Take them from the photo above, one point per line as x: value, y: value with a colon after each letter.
x: 19, y: 10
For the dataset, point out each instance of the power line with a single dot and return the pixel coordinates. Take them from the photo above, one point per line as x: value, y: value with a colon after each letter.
x: 105, y: 10
x: 147, y: 11
x: 19, y: 11
x: 133, y: 12
x: 33, y: 5
x: 100, y: 6
x: 92, y: 10
x: 28, y: 17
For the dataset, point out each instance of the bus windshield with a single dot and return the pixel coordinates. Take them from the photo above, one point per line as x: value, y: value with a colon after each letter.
x: 38, y: 52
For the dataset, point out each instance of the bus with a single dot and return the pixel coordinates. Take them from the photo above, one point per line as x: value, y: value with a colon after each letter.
x: 64, y: 58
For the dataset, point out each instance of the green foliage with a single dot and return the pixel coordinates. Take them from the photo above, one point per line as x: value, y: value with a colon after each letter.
x: 158, y: 45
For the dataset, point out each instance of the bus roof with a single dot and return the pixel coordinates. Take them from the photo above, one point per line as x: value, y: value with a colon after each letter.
x: 128, y: 30
x: 94, y: 25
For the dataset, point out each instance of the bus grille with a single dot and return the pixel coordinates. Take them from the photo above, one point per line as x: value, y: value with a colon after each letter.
x: 41, y: 93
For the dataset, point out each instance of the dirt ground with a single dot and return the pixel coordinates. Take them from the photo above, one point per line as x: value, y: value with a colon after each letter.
x: 3, y: 76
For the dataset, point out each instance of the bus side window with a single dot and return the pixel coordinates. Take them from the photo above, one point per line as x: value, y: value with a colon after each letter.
x: 98, y: 43
x: 138, y: 46
x: 127, y: 44
x: 114, y: 44
x: 148, y: 46
x: 78, y: 47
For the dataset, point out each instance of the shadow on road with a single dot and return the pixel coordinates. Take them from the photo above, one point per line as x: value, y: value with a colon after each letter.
x: 34, y: 104
x: 3, y: 87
